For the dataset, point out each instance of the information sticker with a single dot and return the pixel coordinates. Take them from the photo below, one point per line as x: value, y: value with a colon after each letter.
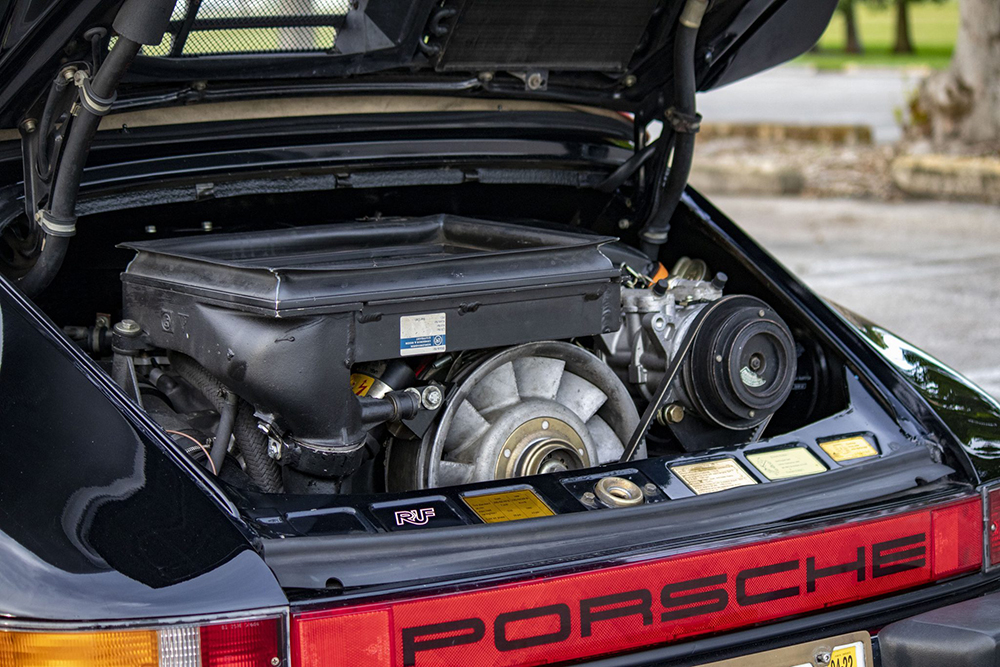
x: 423, y: 334
x: 848, y: 449
x: 508, y: 506
x: 787, y: 463
x: 712, y: 476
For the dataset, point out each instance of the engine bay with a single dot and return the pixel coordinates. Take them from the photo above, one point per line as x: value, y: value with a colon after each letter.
x: 417, y: 353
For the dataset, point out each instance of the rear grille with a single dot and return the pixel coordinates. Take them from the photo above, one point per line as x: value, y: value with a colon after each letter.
x: 222, y: 27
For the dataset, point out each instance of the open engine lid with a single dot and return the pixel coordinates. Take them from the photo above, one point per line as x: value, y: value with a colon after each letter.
x: 608, y: 53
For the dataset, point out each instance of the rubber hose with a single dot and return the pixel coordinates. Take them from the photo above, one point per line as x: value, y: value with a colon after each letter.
x: 261, y: 468
x: 250, y: 440
x: 655, y: 232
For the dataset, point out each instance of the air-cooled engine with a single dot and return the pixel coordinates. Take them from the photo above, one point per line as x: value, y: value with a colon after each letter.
x: 414, y: 353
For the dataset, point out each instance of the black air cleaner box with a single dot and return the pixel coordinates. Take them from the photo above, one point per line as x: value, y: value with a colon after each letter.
x: 396, y: 287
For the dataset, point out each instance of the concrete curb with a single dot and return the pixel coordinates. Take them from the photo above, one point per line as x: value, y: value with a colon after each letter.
x: 833, y: 135
x: 948, y: 177
x: 722, y: 178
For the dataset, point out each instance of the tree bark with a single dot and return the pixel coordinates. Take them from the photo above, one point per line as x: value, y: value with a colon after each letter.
x: 904, y: 44
x: 853, y: 40
x: 962, y: 103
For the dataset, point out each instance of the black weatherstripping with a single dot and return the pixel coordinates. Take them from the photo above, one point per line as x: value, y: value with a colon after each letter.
x: 99, y: 518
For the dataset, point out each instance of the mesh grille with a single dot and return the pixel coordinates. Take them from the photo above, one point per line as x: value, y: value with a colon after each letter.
x: 220, y: 27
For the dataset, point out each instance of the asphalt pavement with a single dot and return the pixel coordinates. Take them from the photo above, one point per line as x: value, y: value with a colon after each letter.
x: 927, y: 271
x: 794, y: 94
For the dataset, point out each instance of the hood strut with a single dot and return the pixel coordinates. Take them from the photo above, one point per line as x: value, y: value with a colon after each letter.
x: 138, y: 22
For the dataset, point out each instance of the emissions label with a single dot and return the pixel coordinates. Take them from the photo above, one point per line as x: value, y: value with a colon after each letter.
x: 422, y: 334
x: 787, y: 463
x: 507, y: 506
x: 712, y: 476
x: 846, y: 449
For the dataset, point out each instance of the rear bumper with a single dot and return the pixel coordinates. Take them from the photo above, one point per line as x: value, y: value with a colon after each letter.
x: 959, y: 635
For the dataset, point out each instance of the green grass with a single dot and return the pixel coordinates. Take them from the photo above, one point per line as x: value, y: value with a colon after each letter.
x: 933, y: 28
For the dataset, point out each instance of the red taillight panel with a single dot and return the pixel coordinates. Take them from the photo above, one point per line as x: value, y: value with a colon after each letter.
x: 993, y: 526
x: 243, y: 644
x: 652, y: 602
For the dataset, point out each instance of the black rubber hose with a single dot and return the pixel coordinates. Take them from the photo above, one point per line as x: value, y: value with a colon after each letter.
x: 627, y: 169
x: 654, y: 234
x: 250, y: 440
x: 200, y: 379
x: 62, y: 198
x: 227, y: 418
x: 103, y: 84
x: 261, y: 468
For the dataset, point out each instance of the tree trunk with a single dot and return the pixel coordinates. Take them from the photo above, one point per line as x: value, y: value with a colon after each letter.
x: 853, y: 41
x: 963, y: 102
x: 903, y: 43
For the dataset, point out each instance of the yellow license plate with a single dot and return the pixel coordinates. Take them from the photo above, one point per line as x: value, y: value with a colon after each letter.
x: 853, y: 650
x: 852, y: 655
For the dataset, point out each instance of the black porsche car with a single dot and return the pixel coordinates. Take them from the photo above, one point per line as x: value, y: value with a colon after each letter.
x: 378, y: 332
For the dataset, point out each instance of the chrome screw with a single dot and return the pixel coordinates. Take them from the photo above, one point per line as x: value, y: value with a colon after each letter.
x: 275, y: 661
x: 588, y: 498
x: 624, y: 223
x: 649, y: 489
x: 629, y: 80
x: 431, y: 397
x: 823, y: 658
x: 535, y: 81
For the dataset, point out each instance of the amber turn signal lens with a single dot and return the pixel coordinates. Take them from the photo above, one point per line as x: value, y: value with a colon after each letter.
x: 124, y: 648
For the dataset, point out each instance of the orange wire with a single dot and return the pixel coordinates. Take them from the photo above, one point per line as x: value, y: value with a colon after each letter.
x: 203, y: 448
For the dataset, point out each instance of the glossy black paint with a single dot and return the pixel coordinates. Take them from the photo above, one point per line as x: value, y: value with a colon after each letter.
x: 969, y: 413
x: 100, y: 518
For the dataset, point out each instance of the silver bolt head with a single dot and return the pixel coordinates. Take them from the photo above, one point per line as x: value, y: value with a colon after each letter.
x: 29, y: 125
x: 650, y: 489
x: 486, y: 77
x: 275, y: 661
x: 150, y: 229
x: 629, y: 80
x: 128, y: 328
x: 718, y: 358
x: 823, y: 658
x: 588, y: 498
x: 624, y: 223
x: 432, y: 397
x: 207, y: 226
x: 535, y: 81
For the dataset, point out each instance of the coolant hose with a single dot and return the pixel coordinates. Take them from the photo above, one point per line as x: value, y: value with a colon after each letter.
x: 683, y: 119
x: 250, y: 440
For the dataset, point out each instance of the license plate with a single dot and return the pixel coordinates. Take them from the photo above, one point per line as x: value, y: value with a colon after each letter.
x: 853, y: 650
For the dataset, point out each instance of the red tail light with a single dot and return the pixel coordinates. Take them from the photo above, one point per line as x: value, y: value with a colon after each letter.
x: 245, y: 644
x: 992, y: 507
x: 651, y: 602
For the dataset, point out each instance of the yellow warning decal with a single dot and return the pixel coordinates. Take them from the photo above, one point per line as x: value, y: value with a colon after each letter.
x: 508, y: 506
x: 787, y: 463
x: 361, y: 384
x: 712, y: 476
x: 847, y: 449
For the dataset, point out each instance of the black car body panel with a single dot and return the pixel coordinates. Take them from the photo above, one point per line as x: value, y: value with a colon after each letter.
x: 103, y: 521
x: 394, y: 54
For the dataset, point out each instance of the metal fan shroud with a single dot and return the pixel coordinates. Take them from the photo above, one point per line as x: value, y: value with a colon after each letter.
x: 532, y: 409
